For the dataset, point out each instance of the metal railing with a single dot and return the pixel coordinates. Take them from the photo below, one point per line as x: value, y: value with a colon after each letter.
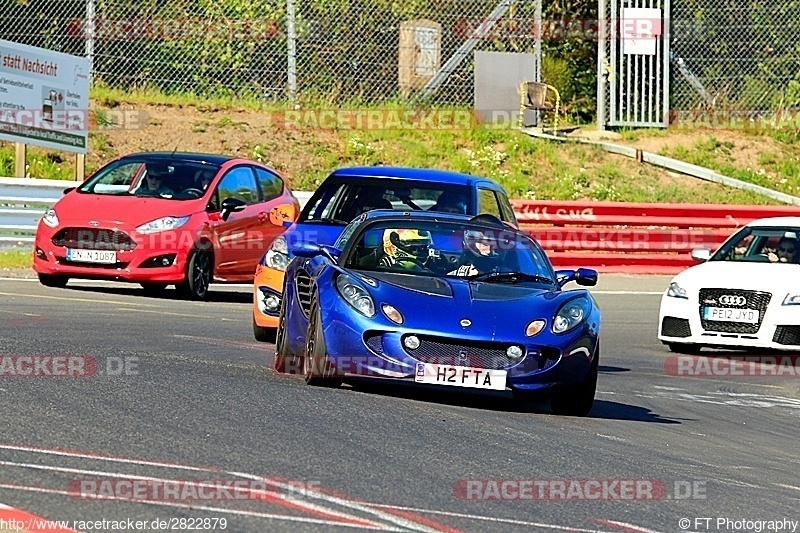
x: 22, y: 203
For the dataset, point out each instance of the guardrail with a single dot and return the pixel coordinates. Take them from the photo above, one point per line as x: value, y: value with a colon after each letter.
x: 24, y: 200
x: 22, y: 203
x: 633, y: 237
x: 608, y: 236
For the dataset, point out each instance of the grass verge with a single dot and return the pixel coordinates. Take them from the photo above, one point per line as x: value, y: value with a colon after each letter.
x: 16, y: 258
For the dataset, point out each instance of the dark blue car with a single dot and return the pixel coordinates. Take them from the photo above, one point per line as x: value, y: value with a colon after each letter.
x: 440, y: 299
x: 348, y: 192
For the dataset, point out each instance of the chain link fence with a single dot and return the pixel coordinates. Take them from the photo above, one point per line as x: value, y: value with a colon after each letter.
x: 333, y: 51
x: 735, y: 57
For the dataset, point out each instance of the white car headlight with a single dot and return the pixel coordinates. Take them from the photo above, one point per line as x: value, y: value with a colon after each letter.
x: 355, y: 295
x: 50, y: 218
x: 162, y: 224
x: 676, y: 291
x: 793, y: 298
x: 570, y: 315
x: 278, y: 254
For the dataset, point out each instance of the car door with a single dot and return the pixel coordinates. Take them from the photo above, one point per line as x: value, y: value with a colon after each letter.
x: 236, y: 237
x: 271, y: 196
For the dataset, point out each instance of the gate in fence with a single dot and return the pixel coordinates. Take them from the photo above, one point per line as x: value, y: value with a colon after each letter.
x: 633, y: 73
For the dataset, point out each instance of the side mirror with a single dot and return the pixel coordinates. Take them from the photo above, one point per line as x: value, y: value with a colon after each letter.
x: 701, y: 255
x: 69, y: 190
x: 231, y: 205
x: 586, y: 277
x: 312, y: 249
x: 583, y: 276
x: 283, y: 215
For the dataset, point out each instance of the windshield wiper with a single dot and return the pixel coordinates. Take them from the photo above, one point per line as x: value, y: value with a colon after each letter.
x: 512, y: 277
x: 324, y: 221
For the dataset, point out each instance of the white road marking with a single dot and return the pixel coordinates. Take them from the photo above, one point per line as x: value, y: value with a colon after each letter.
x: 271, y: 496
x: 626, y: 526
x: 308, y: 493
x: 195, y: 507
x: 487, y: 518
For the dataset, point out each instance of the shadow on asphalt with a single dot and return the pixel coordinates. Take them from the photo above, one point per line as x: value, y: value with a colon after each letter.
x: 228, y: 296
x: 612, y: 369
x: 606, y: 410
x: 504, y: 402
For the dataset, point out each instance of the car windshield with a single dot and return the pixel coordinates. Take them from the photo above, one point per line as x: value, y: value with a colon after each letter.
x: 777, y: 244
x: 162, y: 178
x: 449, y: 249
x: 341, y: 201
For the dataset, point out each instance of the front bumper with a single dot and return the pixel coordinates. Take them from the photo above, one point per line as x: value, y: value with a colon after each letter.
x: 269, y: 281
x: 679, y: 322
x: 133, y: 264
x: 381, y: 353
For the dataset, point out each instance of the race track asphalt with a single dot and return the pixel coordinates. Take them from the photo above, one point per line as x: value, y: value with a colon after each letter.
x: 198, y: 403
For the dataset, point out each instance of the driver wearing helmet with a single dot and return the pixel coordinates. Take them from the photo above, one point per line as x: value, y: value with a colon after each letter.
x: 480, y: 254
x: 406, y: 249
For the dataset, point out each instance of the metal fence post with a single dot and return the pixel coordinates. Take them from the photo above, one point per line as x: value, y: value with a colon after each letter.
x: 291, y: 50
x: 601, y: 65
x: 88, y: 35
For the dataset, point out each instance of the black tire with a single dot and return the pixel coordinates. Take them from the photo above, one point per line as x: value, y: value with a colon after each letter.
x: 52, y: 280
x: 263, y: 334
x: 578, y: 401
x: 317, y: 367
x: 153, y: 289
x: 199, y: 272
x: 688, y: 349
x: 284, y: 360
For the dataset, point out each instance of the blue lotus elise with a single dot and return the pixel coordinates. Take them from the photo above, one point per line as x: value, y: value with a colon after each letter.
x: 440, y: 299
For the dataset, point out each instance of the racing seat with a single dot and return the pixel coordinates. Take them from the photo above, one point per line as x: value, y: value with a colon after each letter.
x: 372, y: 249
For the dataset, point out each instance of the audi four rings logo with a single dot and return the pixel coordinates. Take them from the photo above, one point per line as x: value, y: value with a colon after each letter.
x: 730, y: 299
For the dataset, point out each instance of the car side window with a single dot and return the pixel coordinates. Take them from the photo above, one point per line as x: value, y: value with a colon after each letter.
x: 271, y: 185
x: 487, y: 203
x: 239, y: 182
x: 505, y: 209
x: 323, y: 206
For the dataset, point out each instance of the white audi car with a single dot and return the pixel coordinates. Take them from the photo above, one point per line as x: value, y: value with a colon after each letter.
x: 745, y: 295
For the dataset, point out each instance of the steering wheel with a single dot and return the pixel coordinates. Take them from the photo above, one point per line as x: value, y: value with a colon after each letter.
x: 196, y: 193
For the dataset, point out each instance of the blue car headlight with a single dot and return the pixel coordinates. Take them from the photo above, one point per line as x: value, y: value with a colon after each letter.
x: 676, y: 291
x: 355, y: 295
x: 278, y: 254
x: 571, y: 314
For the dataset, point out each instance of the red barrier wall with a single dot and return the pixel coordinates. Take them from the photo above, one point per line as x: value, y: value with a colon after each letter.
x: 631, y: 237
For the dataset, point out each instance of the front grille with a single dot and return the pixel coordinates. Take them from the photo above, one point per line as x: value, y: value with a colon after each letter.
x: 755, y: 300
x: 787, y: 335
x: 675, y: 327
x: 443, y: 352
x: 490, y: 355
x: 93, y: 239
x: 302, y: 285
